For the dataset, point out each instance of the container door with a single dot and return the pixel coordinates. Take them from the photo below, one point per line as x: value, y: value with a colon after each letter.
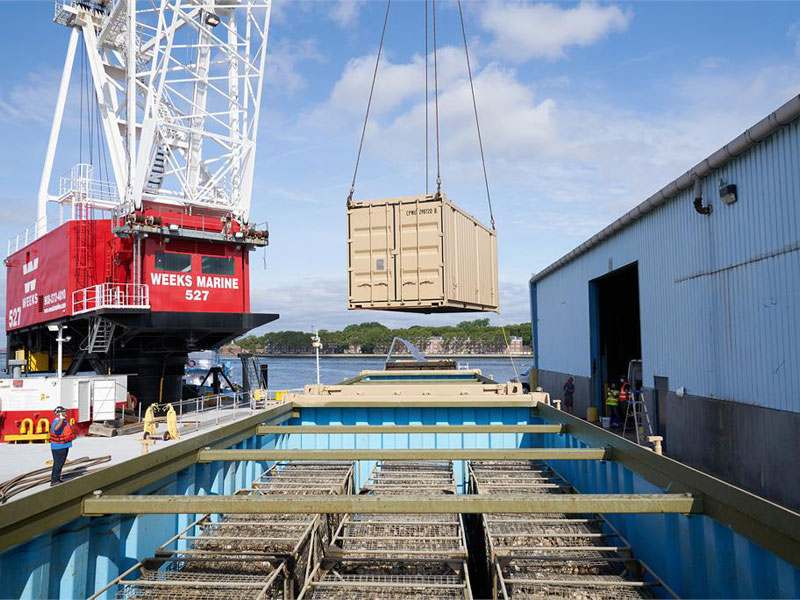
x: 420, y: 262
x: 84, y: 401
x: 372, y: 245
x: 103, y: 393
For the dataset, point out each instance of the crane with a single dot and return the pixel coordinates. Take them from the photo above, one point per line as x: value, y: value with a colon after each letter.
x: 148, y: 258
x: 179, y: 85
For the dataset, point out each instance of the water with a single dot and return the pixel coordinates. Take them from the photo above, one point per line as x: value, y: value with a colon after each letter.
x: 295, y: 372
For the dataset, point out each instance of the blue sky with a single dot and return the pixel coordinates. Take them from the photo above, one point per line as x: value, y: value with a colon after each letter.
x: 586, y: 109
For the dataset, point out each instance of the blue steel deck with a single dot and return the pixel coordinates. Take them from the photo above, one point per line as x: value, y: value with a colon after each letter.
x: 695, y: 555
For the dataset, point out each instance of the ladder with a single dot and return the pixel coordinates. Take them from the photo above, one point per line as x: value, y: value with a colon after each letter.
x: 251, y: 377
x: 637, y: 407
x: 84, y: 245
x: 101, y: 335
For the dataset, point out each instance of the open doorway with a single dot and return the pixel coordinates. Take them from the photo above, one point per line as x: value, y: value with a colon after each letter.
x: 615, y: 327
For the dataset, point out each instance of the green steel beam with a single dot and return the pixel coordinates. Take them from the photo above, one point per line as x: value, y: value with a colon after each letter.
x: 22, y: 520
x: 412, y: 401
x: 769, y: 525
x: 412, y: 504
x: 358, y: 429
x: 411, y: 454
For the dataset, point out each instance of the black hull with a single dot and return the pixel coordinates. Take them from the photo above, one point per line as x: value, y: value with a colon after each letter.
x: 150, y: 347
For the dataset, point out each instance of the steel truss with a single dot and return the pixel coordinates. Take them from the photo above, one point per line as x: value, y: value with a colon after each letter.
x: 179, y: 86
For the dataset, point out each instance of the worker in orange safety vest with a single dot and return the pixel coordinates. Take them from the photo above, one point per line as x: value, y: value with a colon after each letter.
x: 61, y: 436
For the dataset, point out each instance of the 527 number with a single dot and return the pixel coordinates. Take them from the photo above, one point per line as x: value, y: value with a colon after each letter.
x: 198, y: 295
x: 14, y: 317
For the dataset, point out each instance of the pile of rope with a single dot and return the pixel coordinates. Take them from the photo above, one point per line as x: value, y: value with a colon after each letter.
x: 26, y: 481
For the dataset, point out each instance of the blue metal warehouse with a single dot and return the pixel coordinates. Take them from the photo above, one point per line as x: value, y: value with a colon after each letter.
x: 702, y: 283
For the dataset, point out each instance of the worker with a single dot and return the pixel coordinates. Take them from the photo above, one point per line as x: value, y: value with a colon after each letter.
x: 569, y: 395
x: 612, y: 403
x: 625, y: 396
x: 61, y: 436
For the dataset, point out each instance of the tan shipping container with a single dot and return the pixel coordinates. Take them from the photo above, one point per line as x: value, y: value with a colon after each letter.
x: 419, y: 254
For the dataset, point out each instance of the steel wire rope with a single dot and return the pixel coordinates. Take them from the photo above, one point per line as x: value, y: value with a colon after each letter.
x: 427, y: 118
x: 436, y: 102
x: 508, y: 347
x: 475, y: 108
x: 369, y: 103
x: 102, y: 150
x: 91, y: 100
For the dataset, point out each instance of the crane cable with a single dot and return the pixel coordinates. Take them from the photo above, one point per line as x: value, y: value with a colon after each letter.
x: 369, y: 103
x: 427, y: 120
x: 475, y: 108
x: 436, y: 100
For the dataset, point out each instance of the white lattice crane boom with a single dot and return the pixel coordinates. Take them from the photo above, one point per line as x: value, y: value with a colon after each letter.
x: 179, y: 88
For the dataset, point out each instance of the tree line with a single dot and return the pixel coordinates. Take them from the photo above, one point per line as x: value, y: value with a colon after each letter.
x: 475, y: 337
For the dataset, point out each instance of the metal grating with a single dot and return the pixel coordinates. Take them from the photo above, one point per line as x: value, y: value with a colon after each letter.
x: 246, y: 556
x: 175, y: 585
x: 551, y: 555
x: 394, y: 555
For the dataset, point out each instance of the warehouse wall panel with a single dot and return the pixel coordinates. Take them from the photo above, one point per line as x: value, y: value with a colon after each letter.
x: 719, y: 294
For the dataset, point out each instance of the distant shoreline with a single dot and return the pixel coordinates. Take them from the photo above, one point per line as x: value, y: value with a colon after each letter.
x: 464, y: 357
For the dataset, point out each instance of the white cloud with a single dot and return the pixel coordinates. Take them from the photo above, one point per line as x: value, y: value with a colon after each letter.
x: 283, y: 60
x: 32, y: 100
x: 514, y: 122
x: 713, y: 62
x: 794, y: 35
x: 396, y: 82
x: 523, y: 31
x: 345, y: 12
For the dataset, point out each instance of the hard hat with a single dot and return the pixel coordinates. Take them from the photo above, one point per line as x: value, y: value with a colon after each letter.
x: 59, y: 410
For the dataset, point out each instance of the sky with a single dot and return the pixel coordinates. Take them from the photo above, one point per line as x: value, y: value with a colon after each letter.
x: 586, y: 109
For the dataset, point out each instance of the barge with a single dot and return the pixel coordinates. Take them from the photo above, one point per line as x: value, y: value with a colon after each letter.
x: 505, y: 495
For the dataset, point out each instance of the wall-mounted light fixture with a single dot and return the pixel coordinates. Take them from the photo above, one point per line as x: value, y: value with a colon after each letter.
x: 727, y: 192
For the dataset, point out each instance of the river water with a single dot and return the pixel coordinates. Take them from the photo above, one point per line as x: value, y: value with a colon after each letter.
x: 295, y: 372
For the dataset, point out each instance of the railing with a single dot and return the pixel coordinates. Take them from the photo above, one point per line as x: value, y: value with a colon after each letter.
x: 110, y: 295
x: 122, y: 215
x: 211, y: 410
x: 78, y: 186
x: 23, y: 238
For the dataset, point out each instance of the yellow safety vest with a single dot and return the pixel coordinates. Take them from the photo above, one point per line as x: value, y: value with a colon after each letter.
x: 611, y: 399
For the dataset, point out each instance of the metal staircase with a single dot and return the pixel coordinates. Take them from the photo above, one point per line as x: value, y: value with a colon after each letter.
x: 100, y: 335
x: 251, y: 375
x: 158, y: 168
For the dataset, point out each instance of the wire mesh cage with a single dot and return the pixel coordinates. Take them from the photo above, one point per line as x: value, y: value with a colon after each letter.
x: 552, y: 555
x: 397, y: 555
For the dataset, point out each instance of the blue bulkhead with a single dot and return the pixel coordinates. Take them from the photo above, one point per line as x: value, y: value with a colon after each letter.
x: 695, y: 555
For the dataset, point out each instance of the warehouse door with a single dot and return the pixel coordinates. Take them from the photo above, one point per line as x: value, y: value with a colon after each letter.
x: 615, y: 327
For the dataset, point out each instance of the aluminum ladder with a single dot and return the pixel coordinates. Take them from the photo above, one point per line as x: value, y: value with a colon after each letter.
x: 636, y: 406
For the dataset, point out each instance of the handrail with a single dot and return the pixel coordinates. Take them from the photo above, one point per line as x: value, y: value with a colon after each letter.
x: 111, y: 295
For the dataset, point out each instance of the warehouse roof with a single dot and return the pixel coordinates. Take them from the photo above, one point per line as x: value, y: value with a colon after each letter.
x: 761, y: 130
